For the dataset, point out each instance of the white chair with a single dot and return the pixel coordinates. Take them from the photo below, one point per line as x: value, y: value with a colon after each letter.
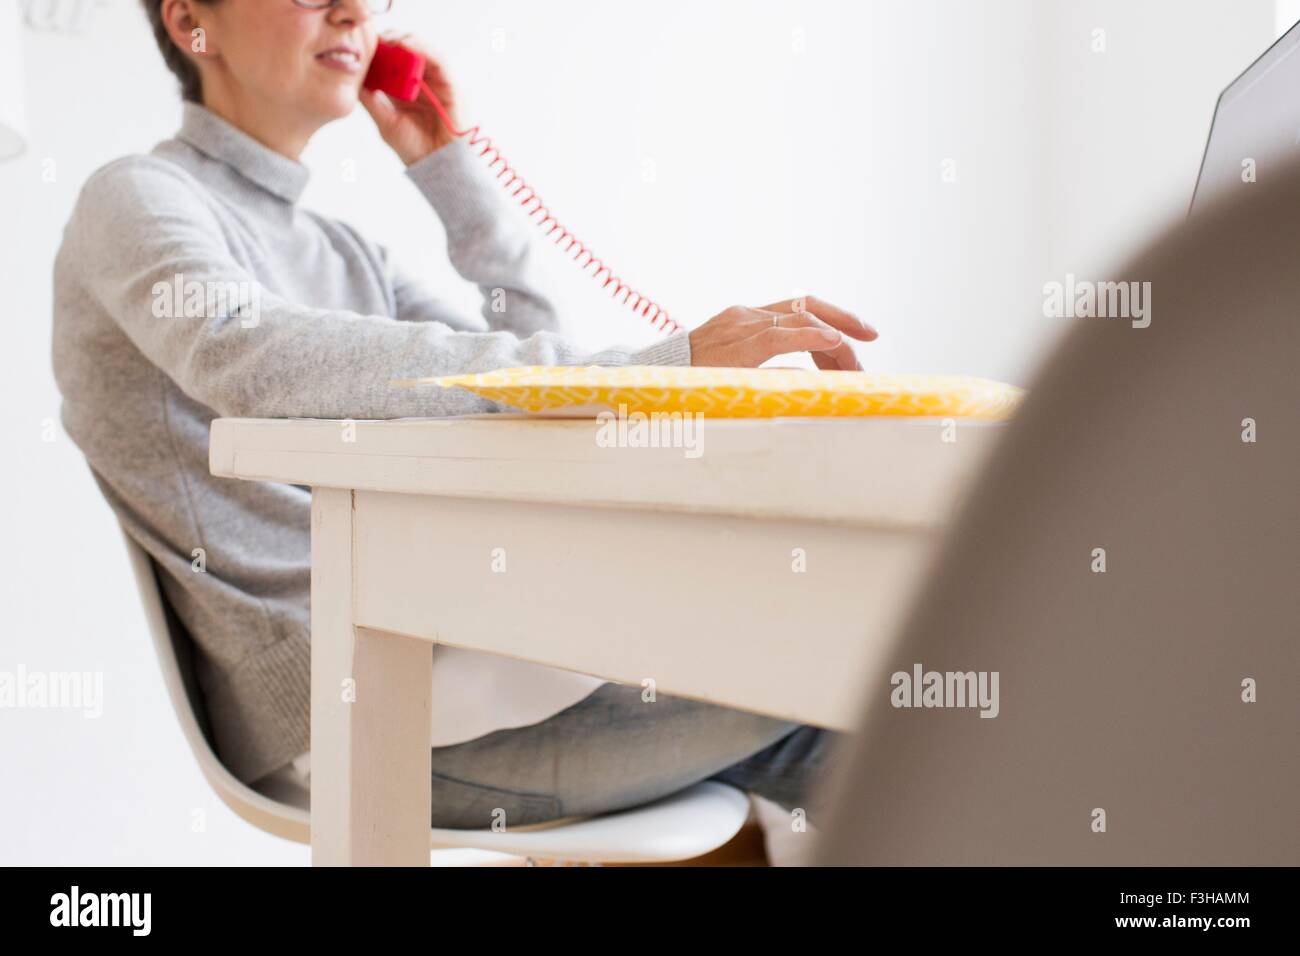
x: 686, y: 824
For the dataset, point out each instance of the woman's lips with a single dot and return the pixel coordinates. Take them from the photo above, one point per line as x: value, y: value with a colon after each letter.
x: 343, y: 59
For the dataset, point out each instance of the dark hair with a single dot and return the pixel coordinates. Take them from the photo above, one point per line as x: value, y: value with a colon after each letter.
x: 174, y: 56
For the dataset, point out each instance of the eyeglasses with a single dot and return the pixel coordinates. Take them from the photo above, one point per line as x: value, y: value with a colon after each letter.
x: 375, y: 6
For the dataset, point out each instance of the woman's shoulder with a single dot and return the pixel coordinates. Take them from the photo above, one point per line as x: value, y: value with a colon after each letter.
x: 134, y: 199
x: 139, y: 191
x: 136, y: 179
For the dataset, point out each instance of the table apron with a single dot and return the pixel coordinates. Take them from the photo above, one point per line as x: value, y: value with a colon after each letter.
x: 784, y: 617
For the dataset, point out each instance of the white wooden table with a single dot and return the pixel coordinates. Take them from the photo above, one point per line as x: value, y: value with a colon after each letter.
x: 769, y: 573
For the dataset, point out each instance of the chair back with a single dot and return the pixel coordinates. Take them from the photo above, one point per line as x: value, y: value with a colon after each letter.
x: 285, y: 812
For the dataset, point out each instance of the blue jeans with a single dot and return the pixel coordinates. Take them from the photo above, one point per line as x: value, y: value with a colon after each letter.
x: 612, y: 750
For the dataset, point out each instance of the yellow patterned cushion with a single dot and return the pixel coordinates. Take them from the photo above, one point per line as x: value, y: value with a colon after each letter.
x: 739, y: 392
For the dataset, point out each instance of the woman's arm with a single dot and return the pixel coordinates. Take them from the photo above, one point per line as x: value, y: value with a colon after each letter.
x: 488, y: 246
x: 488, y: 242
x: 139, y: 223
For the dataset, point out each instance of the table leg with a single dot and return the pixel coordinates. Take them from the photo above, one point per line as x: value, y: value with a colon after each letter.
x: 370, y: 704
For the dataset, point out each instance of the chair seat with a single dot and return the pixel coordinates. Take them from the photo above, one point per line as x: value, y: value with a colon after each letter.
x: 682, y: 825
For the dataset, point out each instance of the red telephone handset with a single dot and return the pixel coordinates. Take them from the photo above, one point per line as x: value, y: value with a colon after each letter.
x: 399, y: 73
x: 396, y: 71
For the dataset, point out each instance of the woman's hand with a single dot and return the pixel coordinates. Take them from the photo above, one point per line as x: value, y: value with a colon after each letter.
x: 414, y: 130
x: 741, y: 337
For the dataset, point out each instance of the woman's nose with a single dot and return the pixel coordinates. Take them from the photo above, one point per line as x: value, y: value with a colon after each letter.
x: 347, y: 12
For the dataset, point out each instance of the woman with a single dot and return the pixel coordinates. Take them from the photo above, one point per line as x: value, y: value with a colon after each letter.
x: 191, y: 285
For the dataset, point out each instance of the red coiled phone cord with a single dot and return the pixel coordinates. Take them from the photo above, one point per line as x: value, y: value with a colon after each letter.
x: 640, y: 304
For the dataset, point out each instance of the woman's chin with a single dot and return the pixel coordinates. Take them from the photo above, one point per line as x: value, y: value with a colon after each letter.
x: 337, y: 103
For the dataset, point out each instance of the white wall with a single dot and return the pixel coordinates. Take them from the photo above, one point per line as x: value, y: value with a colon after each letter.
x: 796, y: 146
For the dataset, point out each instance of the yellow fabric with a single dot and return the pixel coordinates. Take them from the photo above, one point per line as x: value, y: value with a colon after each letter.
x: 740, y: 392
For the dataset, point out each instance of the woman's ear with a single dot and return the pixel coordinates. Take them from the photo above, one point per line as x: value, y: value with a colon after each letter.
x: 188, y: 27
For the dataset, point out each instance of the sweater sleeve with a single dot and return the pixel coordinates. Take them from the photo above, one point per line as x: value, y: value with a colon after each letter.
x: 151, y: 253
x: 487, y: 241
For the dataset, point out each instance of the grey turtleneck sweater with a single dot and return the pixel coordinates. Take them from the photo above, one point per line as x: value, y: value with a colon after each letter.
x: 295, y: 315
